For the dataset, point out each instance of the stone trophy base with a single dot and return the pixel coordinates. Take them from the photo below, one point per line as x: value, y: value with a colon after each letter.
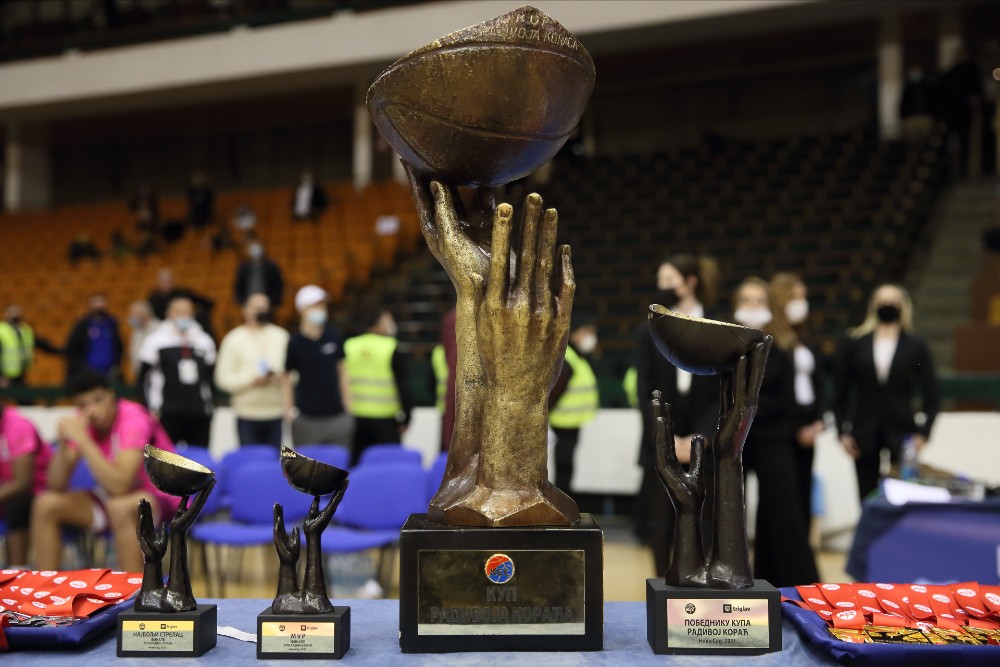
x: 304, y: 636
x: 713, y: 621
x: 151, y: 634
x: 501, y: 589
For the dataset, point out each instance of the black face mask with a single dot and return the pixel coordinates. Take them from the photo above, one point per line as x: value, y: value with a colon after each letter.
x: 15, y: 320
x: 262, y: 317
x: 888, y: 314
x: 667, y: 297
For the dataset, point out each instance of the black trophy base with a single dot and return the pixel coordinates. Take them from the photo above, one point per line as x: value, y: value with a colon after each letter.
x: 500, y: 589
x: 713, y: 621
x: 304, y: 636
x: 152, y: 634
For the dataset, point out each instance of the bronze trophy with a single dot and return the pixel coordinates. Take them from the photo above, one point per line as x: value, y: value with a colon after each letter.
x: 502, y: 560
x: 301, y: 621
x: 709, y: 603
x: 167, y: 621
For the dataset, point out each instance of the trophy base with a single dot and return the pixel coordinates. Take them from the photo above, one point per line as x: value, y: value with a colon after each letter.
x: 501, y: 589
x: 304, y: 636
x: 713, y: 621
x: 152, y: 634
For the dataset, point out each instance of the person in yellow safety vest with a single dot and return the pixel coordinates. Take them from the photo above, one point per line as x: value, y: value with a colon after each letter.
x: 17, y: 347
x: 574, y: 400
x: 630, y: 384
x: 377, y: 379
x: 439, y: 364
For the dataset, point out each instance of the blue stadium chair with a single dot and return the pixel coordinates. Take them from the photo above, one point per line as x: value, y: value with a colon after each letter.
x: 378, y: 502
x: 233, y: 461
x: 436, y: 474
x: 255, y: 488
x: 389, y: 454
x: 334, y: 455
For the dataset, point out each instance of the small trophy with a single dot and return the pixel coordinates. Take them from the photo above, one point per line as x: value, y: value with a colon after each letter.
x: 502, y: 560
x: 710, y: 603
x: 167, y: 621
x: 301, y: 622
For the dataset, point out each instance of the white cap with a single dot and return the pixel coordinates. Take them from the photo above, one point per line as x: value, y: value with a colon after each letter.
x: 309, y: 295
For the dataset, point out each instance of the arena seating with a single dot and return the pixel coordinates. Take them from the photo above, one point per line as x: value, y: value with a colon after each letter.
x: 342, y: 251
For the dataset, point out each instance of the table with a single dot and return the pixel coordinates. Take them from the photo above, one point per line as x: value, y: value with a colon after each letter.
x: 374, y: 642
x: 919, y: 542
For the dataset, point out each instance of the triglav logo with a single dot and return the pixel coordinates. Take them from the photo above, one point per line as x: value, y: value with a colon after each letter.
x: 727, y: 609
x: 499, y: 568
x: 690, y: 608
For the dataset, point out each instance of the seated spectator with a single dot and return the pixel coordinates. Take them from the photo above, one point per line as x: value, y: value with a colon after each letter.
x: 259, y: 275
x: 245, y: 219
x: 120, y: 247
x: 146, y: 207
x: 82, y: 247
x: 23, y: 459
x: 310, y: 199
x: 109, y: 435
x: 201, y: 201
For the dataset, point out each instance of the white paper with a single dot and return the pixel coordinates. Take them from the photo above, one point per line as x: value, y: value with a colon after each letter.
x: 899, y: 492
x: 187, y: 371
x: 227, y: 631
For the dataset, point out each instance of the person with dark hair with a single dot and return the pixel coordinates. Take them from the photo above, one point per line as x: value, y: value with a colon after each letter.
x: 95, y: 342
x: 378, y: 385
x: 201, y: 201
x: 686, y: 284
x: 782, y: 554
x: 175, y: 375
x: 574, y: 400
x: 251, y: 369
x: 167, y: 290
x: 316, y: 408
x: 23, y: 460
x: 146, y: 207
x: 259, y: 275
x: 109, y: 435
x: 881, y: 367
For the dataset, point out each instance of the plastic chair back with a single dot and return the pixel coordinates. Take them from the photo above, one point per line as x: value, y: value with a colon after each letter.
x: 383, y: 496
x: 256, y: 487
x: 389, y: 454
x: 335, y: 455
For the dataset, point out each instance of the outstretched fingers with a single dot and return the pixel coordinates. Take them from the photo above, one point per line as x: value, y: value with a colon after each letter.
x: 697, y: 456
x: 425, y: 209
x: 568, y: 286
x: 500, y: 256
x: 758, y: 364
x: 546, y: 254
x: 525, y: 279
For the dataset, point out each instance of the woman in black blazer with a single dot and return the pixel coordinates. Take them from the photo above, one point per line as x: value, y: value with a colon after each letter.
x: 782, y: 555
x: 686, y: 284
x: 881, y: 368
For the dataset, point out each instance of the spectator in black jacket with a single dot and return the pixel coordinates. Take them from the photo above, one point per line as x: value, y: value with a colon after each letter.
x: 175, y: 375
x: 259, y: 275
x: 201, y: 201
x: 782, y: 554
x: 881, y: 367
x: 95, y: 342
x: 686, y: 284
x: 309, y: 200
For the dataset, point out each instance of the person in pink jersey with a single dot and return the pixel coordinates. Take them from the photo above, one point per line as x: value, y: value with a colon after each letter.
x: 23, y: 460
x: 108, y: 434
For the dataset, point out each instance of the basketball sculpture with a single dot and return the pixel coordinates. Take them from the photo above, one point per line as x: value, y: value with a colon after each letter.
x: 444, y: 116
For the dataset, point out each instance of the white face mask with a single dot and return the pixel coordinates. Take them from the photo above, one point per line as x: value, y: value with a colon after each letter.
x: 755, y: 318
x: 797, y: 310
x: 183, y: 323
x: 316, y: 317
x: 587, y: 344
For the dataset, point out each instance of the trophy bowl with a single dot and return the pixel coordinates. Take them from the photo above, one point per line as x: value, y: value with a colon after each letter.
x: 309, y: 475
x: 697, y: 345
x: 173, y: 473
x: 488, y: 104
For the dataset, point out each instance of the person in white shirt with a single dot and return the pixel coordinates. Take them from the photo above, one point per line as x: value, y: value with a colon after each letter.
x: 175, y: 375
x: 309, y: 199
x: 251, y: 369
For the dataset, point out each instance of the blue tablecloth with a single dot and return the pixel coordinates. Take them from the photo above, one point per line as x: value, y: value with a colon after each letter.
x: 374, y: 642
x: 926, y: 542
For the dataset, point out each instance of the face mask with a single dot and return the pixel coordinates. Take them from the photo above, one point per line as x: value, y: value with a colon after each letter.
x: 888, y: 314
x: 134, y: 322
x: 316, y: 317
x: 587, y: 344
x: 256, y: 251
x: 667, y: 297
x: 797, y: 311
x: 262, y: 317
x: 755, y: 318
x: 391, y: 330
x: 183, y: 323
x: 16, y: 319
